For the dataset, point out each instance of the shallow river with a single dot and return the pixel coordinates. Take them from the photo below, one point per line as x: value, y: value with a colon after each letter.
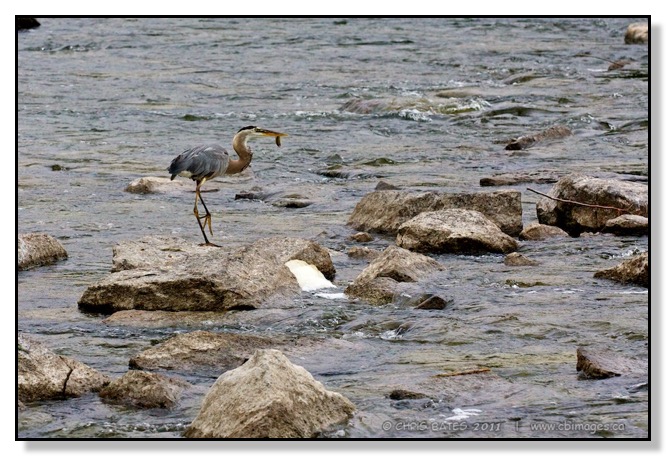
x: 102, y: 102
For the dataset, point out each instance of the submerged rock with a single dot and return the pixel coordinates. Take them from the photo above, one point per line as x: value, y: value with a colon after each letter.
x: 268, y: 397
x: 523, y: 142
x: 201, y: 352
x: 595, y: 365
x: 613, y: 194
x: 454, y: 231
x: 378, y: 283
x: 518, y: 259
x: 38, y: 249
x: 537, y: 232
x: 638, y: 33
x: 385, y: 211
x: 628, y: 225
x: 143, y: 390
x: 519, y: 178
x: 361, y: 236
x: 44, y: 375
x: 635, y: 270
x: 363, y: 252
x: 156, y: 273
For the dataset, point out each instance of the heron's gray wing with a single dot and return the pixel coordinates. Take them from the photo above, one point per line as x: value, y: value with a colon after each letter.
x: 198, y: 162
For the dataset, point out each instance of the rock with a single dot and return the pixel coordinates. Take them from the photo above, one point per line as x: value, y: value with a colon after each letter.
x: 360, y: 106
x: 378, y: 282
x: 596, y: 365
x: 143, y: 390
x: 610, y: 193
x: 165, y: 319
x: 361, y: 236
x: 156, y: 273
x: 628, y: 225
x: 202, y: 352
x: 517, y: 259
x: 44, y: 375
x: 634, y: 270
x: 454, y: 231
x: 38, y: 249
x: 382, y: 185
x: 384, y: 211
x: 523, y: 142
x: 292, y: 203
x: 638, y: 33
x: 363, y: 252
x: 26, y: 23
x: 268, y: 397
x: 401, y: 395
x: 150, y: 184
x: 518, y: 178
x: 537, y: 232
x: 425, y: 301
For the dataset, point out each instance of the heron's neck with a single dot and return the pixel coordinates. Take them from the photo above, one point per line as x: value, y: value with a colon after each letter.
x: 244, y: 156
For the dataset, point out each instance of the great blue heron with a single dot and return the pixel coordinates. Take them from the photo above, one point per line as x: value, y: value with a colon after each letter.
x: 203, y: 163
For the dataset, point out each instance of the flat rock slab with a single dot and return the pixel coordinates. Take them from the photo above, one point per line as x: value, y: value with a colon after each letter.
x: 144, y: 390
x: 38, y: 249
x: 385, y: 211
x: 594, y: 365
x: 552, y: 133
x: 156, y: 273
x: 201, y: 352
x: 635, y: 270
x: 454, y: 231
x: 380, y: 281
x: 268, y: 397
x: 44, y: 375
x: 628, y: 225
x: 497, y: 180
x: 631, y: 197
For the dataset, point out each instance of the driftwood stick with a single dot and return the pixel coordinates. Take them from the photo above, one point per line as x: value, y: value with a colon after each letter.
x: 467, y: 372
x: 579, y: 203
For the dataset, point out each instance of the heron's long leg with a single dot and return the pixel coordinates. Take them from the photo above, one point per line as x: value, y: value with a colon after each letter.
x: 197, y: 196
x: 207, y: 217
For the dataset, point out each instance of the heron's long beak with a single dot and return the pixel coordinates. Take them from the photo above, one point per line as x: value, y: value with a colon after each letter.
x: 272, y: 133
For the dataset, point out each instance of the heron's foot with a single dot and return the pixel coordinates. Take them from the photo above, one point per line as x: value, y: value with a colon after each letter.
x: 209, y: 244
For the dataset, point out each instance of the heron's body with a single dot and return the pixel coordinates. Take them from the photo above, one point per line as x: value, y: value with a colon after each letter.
x: 206, y: 162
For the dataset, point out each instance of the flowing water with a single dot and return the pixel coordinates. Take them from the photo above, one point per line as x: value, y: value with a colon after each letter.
x: 102, y: 102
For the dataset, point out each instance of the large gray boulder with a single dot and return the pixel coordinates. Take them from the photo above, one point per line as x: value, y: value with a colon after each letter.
x: 635, y: 270
x: 385, y: 211
x: 156, y: 273
x: 385, y: 276
x: 631, y: 197
x: 38, y: 249
x: 268, y: 397
x: 454, y: 231
x: 44, y: 375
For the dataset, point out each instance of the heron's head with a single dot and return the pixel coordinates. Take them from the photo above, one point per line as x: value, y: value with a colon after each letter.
x: 256, y: 132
